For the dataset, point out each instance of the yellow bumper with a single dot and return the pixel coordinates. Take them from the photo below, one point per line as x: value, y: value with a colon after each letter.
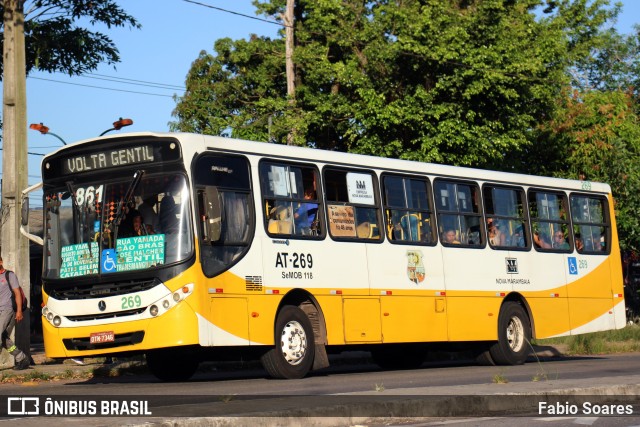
x: 176, y: 327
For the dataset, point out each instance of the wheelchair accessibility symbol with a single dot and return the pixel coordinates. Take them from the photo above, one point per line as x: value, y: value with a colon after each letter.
x: 573, y: 265
x: 108, y: 261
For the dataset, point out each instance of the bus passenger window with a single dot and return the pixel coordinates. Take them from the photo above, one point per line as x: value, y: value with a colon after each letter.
x: 549, y: 220
x: 591, y: 224
x: 506, y: 221
x: 408, y: 208
x: 459, y: 213
x: 290, y: 200
x: 353, y: 211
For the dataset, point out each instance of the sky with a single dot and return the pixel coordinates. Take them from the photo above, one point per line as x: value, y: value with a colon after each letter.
x: 154, y: 63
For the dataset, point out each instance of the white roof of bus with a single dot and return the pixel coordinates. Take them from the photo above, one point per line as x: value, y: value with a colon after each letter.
x: 196, y: 143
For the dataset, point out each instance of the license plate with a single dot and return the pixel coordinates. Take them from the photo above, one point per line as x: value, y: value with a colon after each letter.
x: 100, y: 337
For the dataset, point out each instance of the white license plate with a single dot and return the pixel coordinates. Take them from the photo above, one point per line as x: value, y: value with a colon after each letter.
x: 100, y: 337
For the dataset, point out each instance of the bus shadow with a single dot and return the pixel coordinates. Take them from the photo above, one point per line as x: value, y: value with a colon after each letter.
x: 348, y: 362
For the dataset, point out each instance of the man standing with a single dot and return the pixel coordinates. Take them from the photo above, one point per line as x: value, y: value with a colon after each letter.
x: 8, y: 284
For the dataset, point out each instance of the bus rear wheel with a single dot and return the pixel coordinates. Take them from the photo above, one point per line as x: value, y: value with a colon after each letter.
x: 172, y: 364
x: 514, y: 336
x: 292, y: 356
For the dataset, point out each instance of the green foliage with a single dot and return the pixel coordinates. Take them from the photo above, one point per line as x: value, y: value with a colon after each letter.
x: 614, y: 341
x: 480, y: 83
x: 458, y: 82
x: 54, y: 41
x: 596, y: 135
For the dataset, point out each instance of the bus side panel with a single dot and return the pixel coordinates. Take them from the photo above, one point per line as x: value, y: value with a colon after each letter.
x: 332, y: 307
x: 474, y: 292
x: 362, y: 320
x: 545, y: 290
x: 473, y: 317
x: 549, y: 316
x: 319, y: 266
x: 408, y: 279
x: 413, y: 319
x: 590, y: 302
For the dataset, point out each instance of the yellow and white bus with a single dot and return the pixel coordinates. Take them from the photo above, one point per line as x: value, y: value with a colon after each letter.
x: 286, y: 253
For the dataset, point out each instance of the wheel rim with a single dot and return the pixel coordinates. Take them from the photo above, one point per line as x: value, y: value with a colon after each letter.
x: 293, y: 342
x: 515, y: 334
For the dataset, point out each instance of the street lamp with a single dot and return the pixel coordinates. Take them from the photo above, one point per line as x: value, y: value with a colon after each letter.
x: 119, y: 125
x: 44, y: 130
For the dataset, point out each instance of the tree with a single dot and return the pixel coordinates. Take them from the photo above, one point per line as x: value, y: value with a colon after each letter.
x: 595, y: 135
x: 458, y: 82
x: 55, y: 41
x: 45, y: 37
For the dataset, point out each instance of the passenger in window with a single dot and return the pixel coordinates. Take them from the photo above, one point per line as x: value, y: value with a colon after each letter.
x: 579, y: 243
x: 517, y: 238
x: 169, y: 221
x: 410, y: 224
x: 426, y: 236
x: 449, y: 237
x: 149, y: 215
x: 540, y: 240
x: 559, y: 242
x: 496, y: 237
x: 305, y: 216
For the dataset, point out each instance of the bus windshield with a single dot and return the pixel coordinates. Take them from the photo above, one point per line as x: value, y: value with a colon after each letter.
x: 135, y: 223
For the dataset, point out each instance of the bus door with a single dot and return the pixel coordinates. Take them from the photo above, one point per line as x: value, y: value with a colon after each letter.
x: 226, y: 219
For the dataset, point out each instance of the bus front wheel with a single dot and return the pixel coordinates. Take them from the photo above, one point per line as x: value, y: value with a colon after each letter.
x: 171, y: 364
x: 292, y: 356
x: 514, y: 336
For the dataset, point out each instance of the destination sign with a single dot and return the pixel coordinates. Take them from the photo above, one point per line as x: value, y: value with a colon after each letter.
x: 108, y: 159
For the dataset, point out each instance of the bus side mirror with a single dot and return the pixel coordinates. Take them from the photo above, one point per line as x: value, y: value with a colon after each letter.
x: 213, y: 217
x: 24, y: 211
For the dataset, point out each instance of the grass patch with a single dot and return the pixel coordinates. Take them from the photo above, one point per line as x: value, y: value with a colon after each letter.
x: 622, y: 340
x: 500, y: 378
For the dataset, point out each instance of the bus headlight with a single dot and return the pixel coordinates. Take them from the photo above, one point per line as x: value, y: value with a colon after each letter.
x: 176, y: 297
x: 56, y: 321
x: 45, y: 311
x: 153, y: 310
x: 49, y: 316
x: 166, y: 304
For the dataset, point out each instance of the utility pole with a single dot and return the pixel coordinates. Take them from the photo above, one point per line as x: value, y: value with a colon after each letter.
x: 15, y: 247
x: 291, y: 86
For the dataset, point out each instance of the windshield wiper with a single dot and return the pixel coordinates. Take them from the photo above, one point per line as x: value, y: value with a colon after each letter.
x: 137, y: 177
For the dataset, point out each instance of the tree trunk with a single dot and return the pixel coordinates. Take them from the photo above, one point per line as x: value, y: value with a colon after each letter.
x: 291, y: 86
x: 15, y: 247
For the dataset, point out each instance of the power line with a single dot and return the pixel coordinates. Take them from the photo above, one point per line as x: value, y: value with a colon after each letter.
x: 132, y: 81
x: 100, y: 87
x: 268, y: 21
x: 30, y: 176
x: 29, y: 152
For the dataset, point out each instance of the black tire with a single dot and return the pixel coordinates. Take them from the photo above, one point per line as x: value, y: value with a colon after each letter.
x: 395, y: 357
x: 292, y: 356
x: 171, y: 364
x: 482, y: 355
x: 514, y: 336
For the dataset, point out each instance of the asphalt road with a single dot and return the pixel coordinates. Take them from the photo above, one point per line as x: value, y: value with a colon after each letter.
x: 348, y: 394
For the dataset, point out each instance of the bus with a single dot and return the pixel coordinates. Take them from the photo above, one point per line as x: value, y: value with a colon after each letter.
x: 288, y: 254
